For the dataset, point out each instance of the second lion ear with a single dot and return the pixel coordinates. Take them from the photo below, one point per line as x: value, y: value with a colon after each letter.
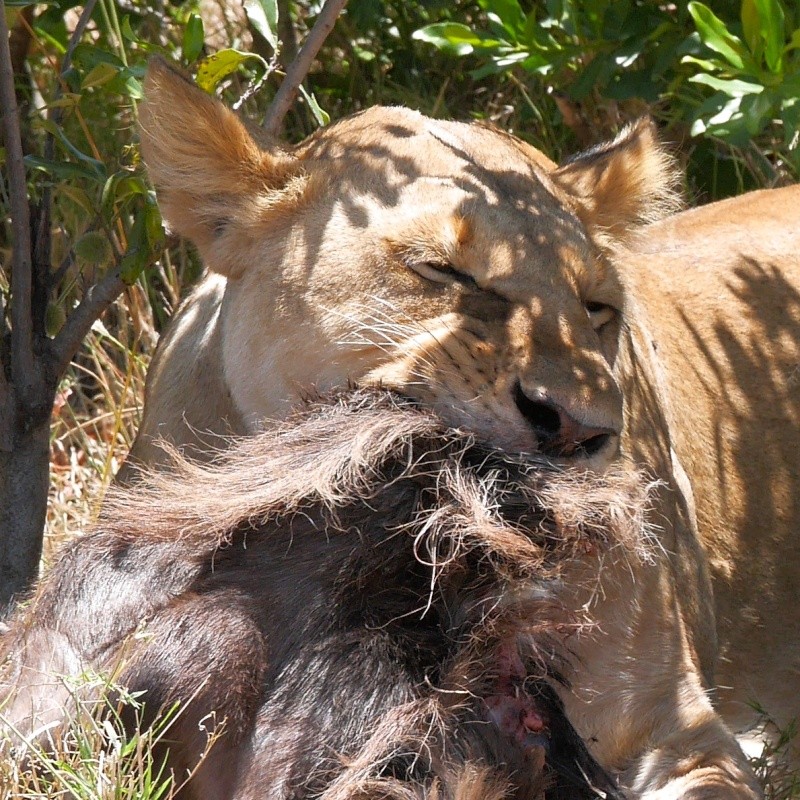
x: 624, y: 183
x: 212, y: 178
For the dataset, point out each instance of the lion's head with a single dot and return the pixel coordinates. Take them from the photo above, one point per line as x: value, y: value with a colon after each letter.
x: 451, y: 262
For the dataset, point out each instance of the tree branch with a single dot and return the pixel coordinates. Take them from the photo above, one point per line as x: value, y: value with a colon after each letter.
x: 300, y: 66
x: 79, y: 322
x: 22, y: 358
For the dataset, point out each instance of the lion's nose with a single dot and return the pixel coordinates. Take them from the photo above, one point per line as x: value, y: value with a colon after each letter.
x: 559, y: 434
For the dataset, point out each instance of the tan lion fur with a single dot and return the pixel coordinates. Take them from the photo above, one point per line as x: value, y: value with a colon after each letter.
x: 333, y: 261
x: 397, y: 192
x: 713, y: 295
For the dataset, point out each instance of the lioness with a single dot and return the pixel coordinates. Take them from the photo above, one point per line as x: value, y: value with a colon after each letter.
x: 460, y: 267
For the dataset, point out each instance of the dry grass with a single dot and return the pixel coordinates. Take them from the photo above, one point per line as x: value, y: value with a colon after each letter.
x: 97, y: 411
x: 779, y: 780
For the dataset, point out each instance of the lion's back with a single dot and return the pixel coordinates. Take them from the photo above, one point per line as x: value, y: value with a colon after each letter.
x: 720, y: 289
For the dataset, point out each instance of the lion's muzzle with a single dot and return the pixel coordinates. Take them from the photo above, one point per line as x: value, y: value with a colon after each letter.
x: 559, y: 434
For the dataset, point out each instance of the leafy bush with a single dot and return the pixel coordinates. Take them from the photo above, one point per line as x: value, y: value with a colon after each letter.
x: 733, y: 86
x: 755, y: 77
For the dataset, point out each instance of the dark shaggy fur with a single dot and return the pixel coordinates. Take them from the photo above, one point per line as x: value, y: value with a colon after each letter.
x: 366, y: 601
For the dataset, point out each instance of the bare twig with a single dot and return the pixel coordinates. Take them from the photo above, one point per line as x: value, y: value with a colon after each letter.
x: 22, y: 358
x: 80, y: 27
x: 286, y: 34
x: 80, y: 321
x: 66, y: 264
x: 300, y: 66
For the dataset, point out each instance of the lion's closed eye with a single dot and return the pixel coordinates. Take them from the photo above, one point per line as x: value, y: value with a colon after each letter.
x: 442, y: 273
x: 600, y: 314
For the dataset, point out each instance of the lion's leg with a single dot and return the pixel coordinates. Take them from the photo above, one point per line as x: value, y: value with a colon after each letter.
x: 696, y: 764
x: 638, y: 696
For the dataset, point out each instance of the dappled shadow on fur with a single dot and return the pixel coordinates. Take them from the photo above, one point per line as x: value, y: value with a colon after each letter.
x: 368, y: 599
x: 755, y: 373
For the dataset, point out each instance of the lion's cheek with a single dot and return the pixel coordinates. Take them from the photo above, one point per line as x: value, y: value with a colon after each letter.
x: 267, y: 375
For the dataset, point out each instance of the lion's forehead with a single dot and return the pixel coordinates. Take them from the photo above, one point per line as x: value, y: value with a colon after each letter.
x: 415, y: 179
x: 499, y: 243
x: 399, y: 147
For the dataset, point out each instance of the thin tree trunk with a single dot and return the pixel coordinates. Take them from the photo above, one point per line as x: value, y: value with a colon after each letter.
x: 298, y: 69
x: 27, y: 387
x: 24, y: 482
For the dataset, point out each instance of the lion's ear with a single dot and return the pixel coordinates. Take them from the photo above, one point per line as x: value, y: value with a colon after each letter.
x: 624, y: 183
x: 211, y: 177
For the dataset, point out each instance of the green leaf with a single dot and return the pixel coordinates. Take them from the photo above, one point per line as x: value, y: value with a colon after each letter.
x: 77, y: 196
x: 60, y: 169
x: 510, y: 59
x: 790, y: 114
x: 729, y: 110
x: 362, y: 54
x: 537, y: 37
x: 789, y: 89
x: 722, y: 116
x: 626, y: 84
x: 138, y: 254
x: 715, y: 35
x: 455, y: 38
x: 108, y: 195
x: 755, y: 111
x: 322, y: 117
x: 100, y: 74
x: 126, y: 83
x: 263, y: 16
x: 45, y: 36
x: 127, y: 30
x: 153, y: 224
x: 732, y: 88
x: 88, y: 56
x: 771, y: 23
x: 98, y: 167
x: 490, y: 68
x: 750, y: 27
x: 120, y: 187
x: 131, y: 36
x: 219, y: 65
x: 707, y: 64
x: 794, y: 42
x: 508, y: 14
x: 537, y: 62
x: 68, y: 100
x: 193, y: 38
